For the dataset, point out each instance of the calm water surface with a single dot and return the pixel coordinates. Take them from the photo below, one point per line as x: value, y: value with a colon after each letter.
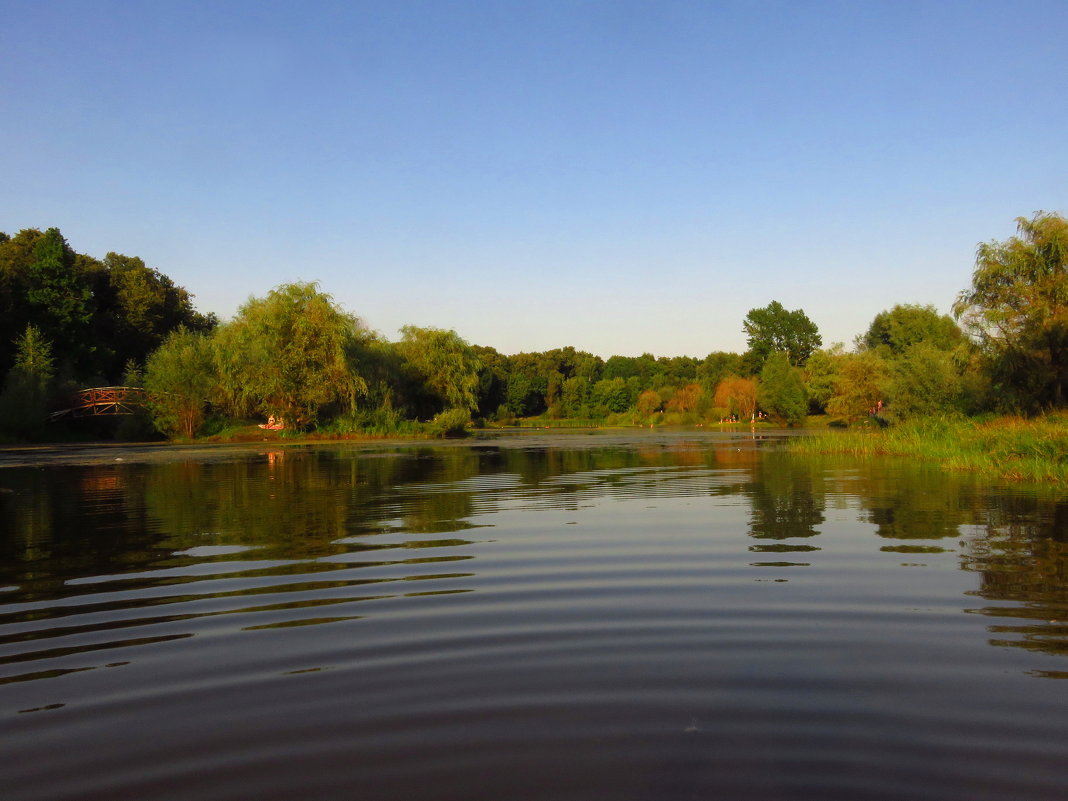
x: 652, y: 616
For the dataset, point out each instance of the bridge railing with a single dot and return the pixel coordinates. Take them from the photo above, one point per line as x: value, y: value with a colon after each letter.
x: 99, y: 401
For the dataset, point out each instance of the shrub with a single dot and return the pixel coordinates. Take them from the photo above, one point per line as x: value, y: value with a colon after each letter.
x: 450, y: 423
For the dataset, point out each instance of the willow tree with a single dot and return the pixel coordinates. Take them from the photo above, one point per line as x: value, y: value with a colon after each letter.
x: 180, y: 377
x: 290, y: 354
x: 1017, y: 307
x: 444, y: 367
x: 859, y: 386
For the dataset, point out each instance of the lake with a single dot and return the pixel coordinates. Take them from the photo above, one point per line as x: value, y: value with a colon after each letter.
x: 646, y: 615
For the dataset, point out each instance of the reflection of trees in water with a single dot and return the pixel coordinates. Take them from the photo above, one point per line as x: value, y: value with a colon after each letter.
x: 47, y: 520
x: 917, y: 501
x: 788, y: 498
x: 1018, y: 547
x: 309, y: 504
x: 1016, y: 542
x: 300, y: 503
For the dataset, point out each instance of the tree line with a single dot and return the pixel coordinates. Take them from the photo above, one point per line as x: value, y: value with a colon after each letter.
x: 300, y: 357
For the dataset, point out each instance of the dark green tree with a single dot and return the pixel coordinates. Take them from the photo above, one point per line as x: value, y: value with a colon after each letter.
x: 16, y: 256
x: 613, y: 395
x: 138, y: 307
x: 821, y: 376
x: 905, y: 325
x: 29, y: 385
x: 773, y: 328
x: 446, y: 367
x: 492, y: 380
x: 60, y: 299
x: 924, y: 380
x: 781, y: 392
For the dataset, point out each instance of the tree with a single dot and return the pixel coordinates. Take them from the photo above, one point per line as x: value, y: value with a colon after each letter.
x: 492, y: 380
x: 1017, y: 307
x: 140, y: 306
x: 905, y: 325
x: 16, y: 256
x: 782, y: 392
x: 648, y: 402
x: 860, y: 386
x: 773, y: 328
x: 612, y: 394
x: 60, y: 298
x: 685, y: 399
x: 574, y: 396
x: 180, y: 377
x: 821, y: 373
x: 291, y: 354
x: 98, y: 314
x: 737, y: 395
x: 24, y: 401
x: 923, y: 381
x: 445, y: 365
x: 716, y: 366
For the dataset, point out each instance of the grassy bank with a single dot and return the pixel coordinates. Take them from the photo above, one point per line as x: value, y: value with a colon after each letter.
x: 1007, y: 447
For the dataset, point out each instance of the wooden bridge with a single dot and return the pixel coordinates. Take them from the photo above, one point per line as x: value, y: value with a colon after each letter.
x: 102, y: 401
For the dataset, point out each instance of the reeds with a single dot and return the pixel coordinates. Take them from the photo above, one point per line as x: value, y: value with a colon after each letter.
x: 1010, y: 448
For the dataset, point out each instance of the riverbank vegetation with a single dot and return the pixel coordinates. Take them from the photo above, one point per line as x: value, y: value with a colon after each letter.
x: 69, y: 321
x: 1012, y: 448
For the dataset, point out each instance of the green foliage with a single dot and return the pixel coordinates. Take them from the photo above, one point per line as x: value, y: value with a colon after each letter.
x: 523, y: 397
x: 180, y: 377
x: 575, y: 396
x: 906, y: 325
x: 924, y: 381
x: 648, y: 403
x: 492, y: 380
x: 24, y: 400
x: 137, y: 426
x: 821, y: 376
x: 715, y: 367
x: 139, y: 306
x: 782, y: 392
x: 1017, y: 307
x: 859, y: 387
x: 377, y: 421
x: 450, y: 423
x: 60, y: 298
x: 98, y: 314
x: 1009, y: 448
x: 290, y: 355
x: 612, y: 395
x: 445, y: 366
x: 773, y: 328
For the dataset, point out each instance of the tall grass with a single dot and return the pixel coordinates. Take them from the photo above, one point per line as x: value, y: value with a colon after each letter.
x: 1011, y: 448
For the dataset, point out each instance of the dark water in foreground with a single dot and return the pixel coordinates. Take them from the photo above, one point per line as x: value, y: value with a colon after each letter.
x: 650, y: 617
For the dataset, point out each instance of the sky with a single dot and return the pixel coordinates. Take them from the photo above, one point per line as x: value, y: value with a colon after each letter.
x: 617, y: 176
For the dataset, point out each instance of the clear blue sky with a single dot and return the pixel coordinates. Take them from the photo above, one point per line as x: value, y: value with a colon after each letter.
x: 617, y: 176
